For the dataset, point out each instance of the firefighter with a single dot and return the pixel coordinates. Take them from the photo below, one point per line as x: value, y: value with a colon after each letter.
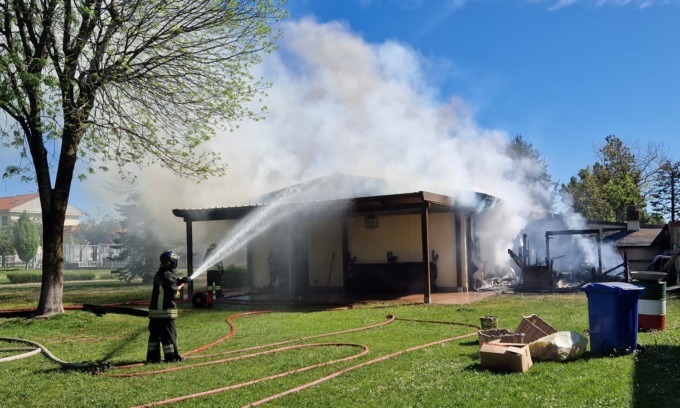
x: 163, y: 311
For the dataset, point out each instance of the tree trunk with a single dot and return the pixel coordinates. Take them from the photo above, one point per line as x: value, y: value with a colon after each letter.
x: 52, y: 288
x: 673, y: 176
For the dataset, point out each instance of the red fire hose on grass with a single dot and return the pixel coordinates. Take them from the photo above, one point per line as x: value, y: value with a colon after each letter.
x: 311, y: 383
x: 364, y: 351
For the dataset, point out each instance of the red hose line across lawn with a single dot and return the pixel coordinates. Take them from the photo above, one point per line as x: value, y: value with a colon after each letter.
x: 232, y: 331
x: 348, y: 369
x: 299, y: 370
x: 226, y: 360
x: 389, y: 320
x: 271, y: 377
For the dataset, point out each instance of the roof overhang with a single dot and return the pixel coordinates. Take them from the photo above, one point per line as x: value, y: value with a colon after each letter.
x: 406, y: 203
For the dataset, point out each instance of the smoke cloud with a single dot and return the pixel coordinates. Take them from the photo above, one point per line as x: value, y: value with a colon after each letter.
x: 341, y: 104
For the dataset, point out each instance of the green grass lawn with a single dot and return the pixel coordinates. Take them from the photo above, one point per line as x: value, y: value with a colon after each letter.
x: 443, y: 375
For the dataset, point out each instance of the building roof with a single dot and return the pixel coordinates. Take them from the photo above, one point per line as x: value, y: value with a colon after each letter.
x: 405, y: 203
x: 645, y: 237
x: 344, y: 193
x: 9, y: 203
x: 331, y: 187
x: 31, y: 204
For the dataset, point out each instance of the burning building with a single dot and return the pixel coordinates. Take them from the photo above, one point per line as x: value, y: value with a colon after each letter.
x: 305, y: 239
x: 569, y: 257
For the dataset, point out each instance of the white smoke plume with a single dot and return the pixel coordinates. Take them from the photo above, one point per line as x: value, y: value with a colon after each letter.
x: 341, y: 104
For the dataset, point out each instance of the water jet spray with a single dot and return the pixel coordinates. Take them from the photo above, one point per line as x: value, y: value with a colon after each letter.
x: 254, y: 224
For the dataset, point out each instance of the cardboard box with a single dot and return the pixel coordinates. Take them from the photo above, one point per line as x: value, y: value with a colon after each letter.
x: 513, y: 357
x: 504, y: 335
x: 534, y: 328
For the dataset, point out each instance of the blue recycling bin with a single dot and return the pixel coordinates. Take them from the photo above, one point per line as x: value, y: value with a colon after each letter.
x: 612, y: 316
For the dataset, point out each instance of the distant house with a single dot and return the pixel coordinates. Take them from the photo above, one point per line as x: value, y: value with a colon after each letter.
x: 11, y: 209
x: 645, y: 246
x: 344, y: 232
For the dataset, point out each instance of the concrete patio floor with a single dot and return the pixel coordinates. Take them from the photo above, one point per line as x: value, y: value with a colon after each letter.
x: 457, y: 298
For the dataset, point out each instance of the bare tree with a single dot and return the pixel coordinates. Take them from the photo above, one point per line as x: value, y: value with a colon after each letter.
x: 87, y: 82
x: 651, y: 158
x: 532, y: 169
x: 664, y: 193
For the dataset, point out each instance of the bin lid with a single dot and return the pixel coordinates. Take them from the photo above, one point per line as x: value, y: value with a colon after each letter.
x: 611, y: 287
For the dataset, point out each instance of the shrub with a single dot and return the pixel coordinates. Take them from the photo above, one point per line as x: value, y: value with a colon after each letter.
x: 78, y: 276
x: 23, y: 277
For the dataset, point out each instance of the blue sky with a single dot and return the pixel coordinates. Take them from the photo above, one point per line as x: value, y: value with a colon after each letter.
x: 563, y: 73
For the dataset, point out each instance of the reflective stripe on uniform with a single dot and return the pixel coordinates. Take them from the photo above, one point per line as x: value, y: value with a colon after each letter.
x: 160, y: 314
x: 159, y: 300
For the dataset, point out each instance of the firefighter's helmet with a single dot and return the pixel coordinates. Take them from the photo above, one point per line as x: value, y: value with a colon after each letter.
x: 169, y: 258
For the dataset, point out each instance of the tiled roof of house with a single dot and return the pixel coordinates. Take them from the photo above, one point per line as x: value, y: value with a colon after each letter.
x: 7, y: 203
x: 31, y: 203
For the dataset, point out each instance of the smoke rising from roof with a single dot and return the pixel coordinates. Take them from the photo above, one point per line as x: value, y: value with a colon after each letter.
x: 341, y: 104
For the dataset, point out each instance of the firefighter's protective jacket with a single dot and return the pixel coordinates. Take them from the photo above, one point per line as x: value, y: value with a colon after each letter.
x: 165, y: 291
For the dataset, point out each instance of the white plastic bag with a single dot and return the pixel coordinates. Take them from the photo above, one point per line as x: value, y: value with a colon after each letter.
x: 560, y: 346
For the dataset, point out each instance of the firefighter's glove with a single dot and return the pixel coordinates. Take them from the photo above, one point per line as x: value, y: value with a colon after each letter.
x: 184, y: 280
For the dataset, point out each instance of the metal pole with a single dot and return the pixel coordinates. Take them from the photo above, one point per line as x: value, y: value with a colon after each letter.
x: 547, y: 251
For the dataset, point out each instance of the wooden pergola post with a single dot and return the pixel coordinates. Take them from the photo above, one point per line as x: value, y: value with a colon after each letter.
x: 426, y: 253
x: 190, y: 256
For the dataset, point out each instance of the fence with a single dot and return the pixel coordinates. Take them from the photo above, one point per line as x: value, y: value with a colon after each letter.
x: 91, y: 256
x: 99, y: 256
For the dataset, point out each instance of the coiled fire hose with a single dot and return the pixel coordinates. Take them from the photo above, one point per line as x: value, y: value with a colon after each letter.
x: 38, y: 348
x: 314, y: 382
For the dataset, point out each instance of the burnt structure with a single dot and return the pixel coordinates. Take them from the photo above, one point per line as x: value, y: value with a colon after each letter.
x: 542, y: 275
x: 372, y: 244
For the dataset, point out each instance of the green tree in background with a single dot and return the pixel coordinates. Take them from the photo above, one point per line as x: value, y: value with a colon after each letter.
x: 139, y: 243
x: 665, y: 191
x: 604, y: 190
x: 86, y: 83
x: 6, y: 243
x: 97, y: 231
x: 26, y: 238
x: 532, y: 170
